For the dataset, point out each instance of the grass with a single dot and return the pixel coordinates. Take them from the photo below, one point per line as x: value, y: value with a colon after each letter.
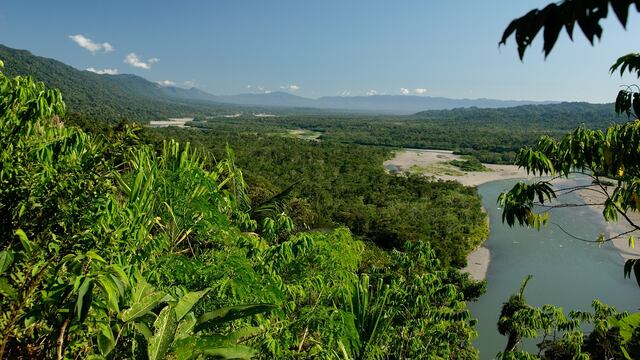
x: 304, y: 134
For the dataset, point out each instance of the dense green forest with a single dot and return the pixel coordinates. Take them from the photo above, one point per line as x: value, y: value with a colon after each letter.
x: 115, y: 248
x: 491, y: 135
x: 332, y: 184
x: 124, y: 243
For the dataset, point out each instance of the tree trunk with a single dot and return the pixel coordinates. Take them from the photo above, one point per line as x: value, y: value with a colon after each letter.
x: 60, y: 342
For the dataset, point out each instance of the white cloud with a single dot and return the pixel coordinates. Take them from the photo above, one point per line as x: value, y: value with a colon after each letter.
x: 167, y: 83
x: 344, y: 93
x: 103, y: 71
x: 88, y: 44
x: 291, y: 87
x: 135, y: 61
x: 372, y: 92
x: 420, y: 91
x: 190, y: 83
x: 404, y: 91
x: 267, y: 91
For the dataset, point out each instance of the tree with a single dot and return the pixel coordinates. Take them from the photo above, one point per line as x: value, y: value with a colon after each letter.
x: 610, y: 158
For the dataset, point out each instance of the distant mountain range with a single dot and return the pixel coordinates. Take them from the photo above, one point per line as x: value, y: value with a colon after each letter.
x: 390, y: 104
x: 129, y: 96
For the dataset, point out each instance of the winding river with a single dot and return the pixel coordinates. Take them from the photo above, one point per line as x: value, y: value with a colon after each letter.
x: 566, y: 272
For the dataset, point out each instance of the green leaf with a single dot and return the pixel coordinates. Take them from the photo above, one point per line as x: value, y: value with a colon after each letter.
x: 6, y: 259
x: 165, y: 329
x: 632, y: 242
x: 627, y: 325
x: 6, y: 289
x: 93, y: 255
x: 230, y: 313
x: 142, y: 307
x: 193, y: 346
x: 185, y: 327
x: 244, y: 333
x: 106, y: 340
x: 111, y: 290
x: 83, y: 303
x: 143, y: 288
x: 187, y: 301
x: 143, y: 329
x: 231, y: 352
x: 24, y: 240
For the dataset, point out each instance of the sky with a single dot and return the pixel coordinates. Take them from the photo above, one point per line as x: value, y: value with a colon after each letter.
x: 321, y: 48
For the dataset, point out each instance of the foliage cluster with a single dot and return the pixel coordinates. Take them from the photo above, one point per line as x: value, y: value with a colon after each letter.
x: 469, y: 163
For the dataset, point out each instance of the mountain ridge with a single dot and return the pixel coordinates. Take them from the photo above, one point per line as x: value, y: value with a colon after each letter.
x: 133, y: 96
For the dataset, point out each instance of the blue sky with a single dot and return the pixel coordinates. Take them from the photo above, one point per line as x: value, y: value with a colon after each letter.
x: 316, y: 48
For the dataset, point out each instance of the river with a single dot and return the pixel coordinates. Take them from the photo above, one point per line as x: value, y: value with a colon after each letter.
x: 566, y: 272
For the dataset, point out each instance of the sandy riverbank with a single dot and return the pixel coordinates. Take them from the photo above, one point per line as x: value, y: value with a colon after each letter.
x: 622, y: 226
x: 478, y: 263
x: 435, y: 163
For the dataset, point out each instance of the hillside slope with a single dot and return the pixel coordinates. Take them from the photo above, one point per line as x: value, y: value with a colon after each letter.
x: 105, y: 97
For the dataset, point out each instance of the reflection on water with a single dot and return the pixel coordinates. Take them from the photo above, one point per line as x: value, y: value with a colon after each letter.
x: 566, y: 272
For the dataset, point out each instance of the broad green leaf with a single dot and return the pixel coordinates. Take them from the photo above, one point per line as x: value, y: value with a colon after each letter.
x: 143, y: 329
x: 6, y: 259
x: 627, y: 325
x: 93, y: 255
x: 6, y: 289
x: 187, y: 301
x: 24, y: 240
x: 111, y: 290
x: 230, y: 352
x: 143, y: 288
x: 83, y: 303
x: 165, y: 329
x: 106, y: 340
x: 230, y: 313
x: 185, y: 327
x: 244, y: 333
x: 142, y: 307
x: 193, y: 346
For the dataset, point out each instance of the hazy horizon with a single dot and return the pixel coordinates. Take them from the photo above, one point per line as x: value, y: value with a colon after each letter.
x: 321, y: 49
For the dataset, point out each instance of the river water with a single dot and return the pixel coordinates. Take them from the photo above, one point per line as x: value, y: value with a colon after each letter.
x: 566, y: 272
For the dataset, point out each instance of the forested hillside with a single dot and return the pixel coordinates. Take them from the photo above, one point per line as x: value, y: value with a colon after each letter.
x: 109, y: 98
